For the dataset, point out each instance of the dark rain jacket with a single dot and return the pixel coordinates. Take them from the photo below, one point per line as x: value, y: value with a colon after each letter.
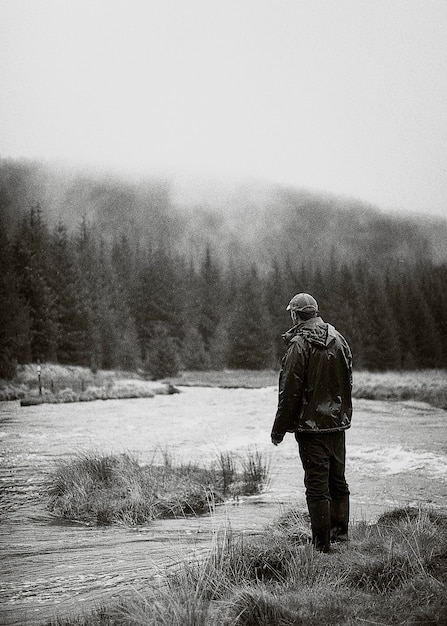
x: 315, y: 381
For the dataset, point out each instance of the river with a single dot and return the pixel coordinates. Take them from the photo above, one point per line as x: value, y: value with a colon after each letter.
x: 396, y: 455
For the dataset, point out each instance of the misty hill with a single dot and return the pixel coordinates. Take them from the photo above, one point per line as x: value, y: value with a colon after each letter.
x: 241, y: 223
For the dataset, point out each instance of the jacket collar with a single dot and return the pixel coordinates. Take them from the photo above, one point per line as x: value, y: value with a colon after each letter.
x: 306, y: 325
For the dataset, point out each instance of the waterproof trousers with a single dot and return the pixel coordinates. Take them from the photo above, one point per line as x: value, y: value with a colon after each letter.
x: 327, y: 493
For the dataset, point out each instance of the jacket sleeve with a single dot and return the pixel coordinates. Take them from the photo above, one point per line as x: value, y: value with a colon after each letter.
x: 291, y: 386
x: 348, y: 357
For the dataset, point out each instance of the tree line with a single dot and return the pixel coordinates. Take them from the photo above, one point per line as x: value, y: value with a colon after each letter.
x: 80, y: 299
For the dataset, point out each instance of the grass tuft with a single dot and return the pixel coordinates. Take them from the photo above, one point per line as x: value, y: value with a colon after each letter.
x: 294, y: 524
x: 389, y: 573
x: 104, y: 489
x: 254, y: 472
x: 258, y: 607
x: 380, y: 575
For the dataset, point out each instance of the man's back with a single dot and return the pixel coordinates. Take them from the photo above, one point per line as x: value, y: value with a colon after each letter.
x: 315, y: 403
x: 326, y: 396
x: 315, y: 380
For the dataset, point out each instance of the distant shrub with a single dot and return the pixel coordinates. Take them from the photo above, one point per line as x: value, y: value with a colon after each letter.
x: 65, y: 395
x: 10, y: 392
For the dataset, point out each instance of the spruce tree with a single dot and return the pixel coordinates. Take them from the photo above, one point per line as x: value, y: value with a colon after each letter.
x: 87, y: 294
x: 194, y: 354
x: 159, y: 300
x: 15, y: 323
x: 161, y: 353
x: 380, y: 349
x: 277, y: 298
x: 32, y: 264
x: 434, y: 285
x: 209, y: 295
x: 421, y: 320
x: 345, y: 310
x: 251, y: 338
x: 62, y: 277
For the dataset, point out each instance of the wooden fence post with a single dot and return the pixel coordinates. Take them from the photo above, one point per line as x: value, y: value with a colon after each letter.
x: 39, y: 379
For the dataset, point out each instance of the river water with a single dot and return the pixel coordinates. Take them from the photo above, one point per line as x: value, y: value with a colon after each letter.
x: 396, y: 455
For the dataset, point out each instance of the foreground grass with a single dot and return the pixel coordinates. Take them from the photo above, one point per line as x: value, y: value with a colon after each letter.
x: 392, y: 572
x: 104, y: 489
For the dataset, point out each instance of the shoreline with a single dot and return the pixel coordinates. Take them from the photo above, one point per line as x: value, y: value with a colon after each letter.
x: 65, y: 384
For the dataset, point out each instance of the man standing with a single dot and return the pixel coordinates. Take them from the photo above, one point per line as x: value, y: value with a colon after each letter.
x: 315, y: 386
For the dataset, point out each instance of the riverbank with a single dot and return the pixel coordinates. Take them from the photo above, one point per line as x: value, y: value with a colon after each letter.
x: 396, y: 458
x: 62, y: 384
x: 428, y: 386
x: 390, y: 572
x: 79, y: 384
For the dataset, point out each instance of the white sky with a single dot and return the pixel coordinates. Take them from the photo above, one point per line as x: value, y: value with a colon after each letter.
x: 347, y: 96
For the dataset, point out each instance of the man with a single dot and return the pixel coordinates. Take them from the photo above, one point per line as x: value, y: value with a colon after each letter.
x: 315, y: 386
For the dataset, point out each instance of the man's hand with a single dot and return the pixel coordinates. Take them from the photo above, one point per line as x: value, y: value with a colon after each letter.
x: 276, y: 439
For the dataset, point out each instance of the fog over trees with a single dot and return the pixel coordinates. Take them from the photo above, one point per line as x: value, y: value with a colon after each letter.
x: 106, y: 272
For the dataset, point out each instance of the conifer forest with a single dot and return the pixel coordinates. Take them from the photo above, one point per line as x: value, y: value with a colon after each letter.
x: 110, y: 274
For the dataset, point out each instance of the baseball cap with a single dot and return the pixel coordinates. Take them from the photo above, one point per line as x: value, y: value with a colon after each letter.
x: 303, y: 302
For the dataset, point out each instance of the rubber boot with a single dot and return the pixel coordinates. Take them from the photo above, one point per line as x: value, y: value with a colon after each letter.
x: 340, y: 518
x: 320, y: 521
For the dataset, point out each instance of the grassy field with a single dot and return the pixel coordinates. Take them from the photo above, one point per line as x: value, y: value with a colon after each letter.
x: 72, y: 384
x: 420, y: 385
x: 391, y: 572
x: 77, y: 384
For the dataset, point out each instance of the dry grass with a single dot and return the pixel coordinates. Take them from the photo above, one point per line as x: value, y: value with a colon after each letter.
x: 61, y: 384
x: 420, y: 385
x: 104, y: 489
x: 73, y: 384
x: 227, y: 378
x: 428, y: 386
x: 391, y: 572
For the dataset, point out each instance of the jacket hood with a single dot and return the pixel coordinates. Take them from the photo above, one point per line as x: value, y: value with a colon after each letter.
x: 315, y: 331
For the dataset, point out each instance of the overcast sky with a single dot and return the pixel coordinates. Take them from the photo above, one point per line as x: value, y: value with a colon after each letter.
x: 346, y: 96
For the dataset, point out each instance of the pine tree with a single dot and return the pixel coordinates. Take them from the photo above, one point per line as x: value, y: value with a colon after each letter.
x: 434, y: 285
x: 162, y: 354
x: 380, y: 349
x: 158, y: 300
x: 15, y: 324
x: 209, y: 291
x: 31, y: 254
x: 251, y: 340
x: 62, y: 278
x: 88, y: 294
x: 345, y: 314
x: 220, y: 348
x: 194, y: 354
x: 277, y: 298
x: 427, y: 341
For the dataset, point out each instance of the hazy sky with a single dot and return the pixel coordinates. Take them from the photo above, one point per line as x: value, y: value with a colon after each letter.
x: 347, y: 96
